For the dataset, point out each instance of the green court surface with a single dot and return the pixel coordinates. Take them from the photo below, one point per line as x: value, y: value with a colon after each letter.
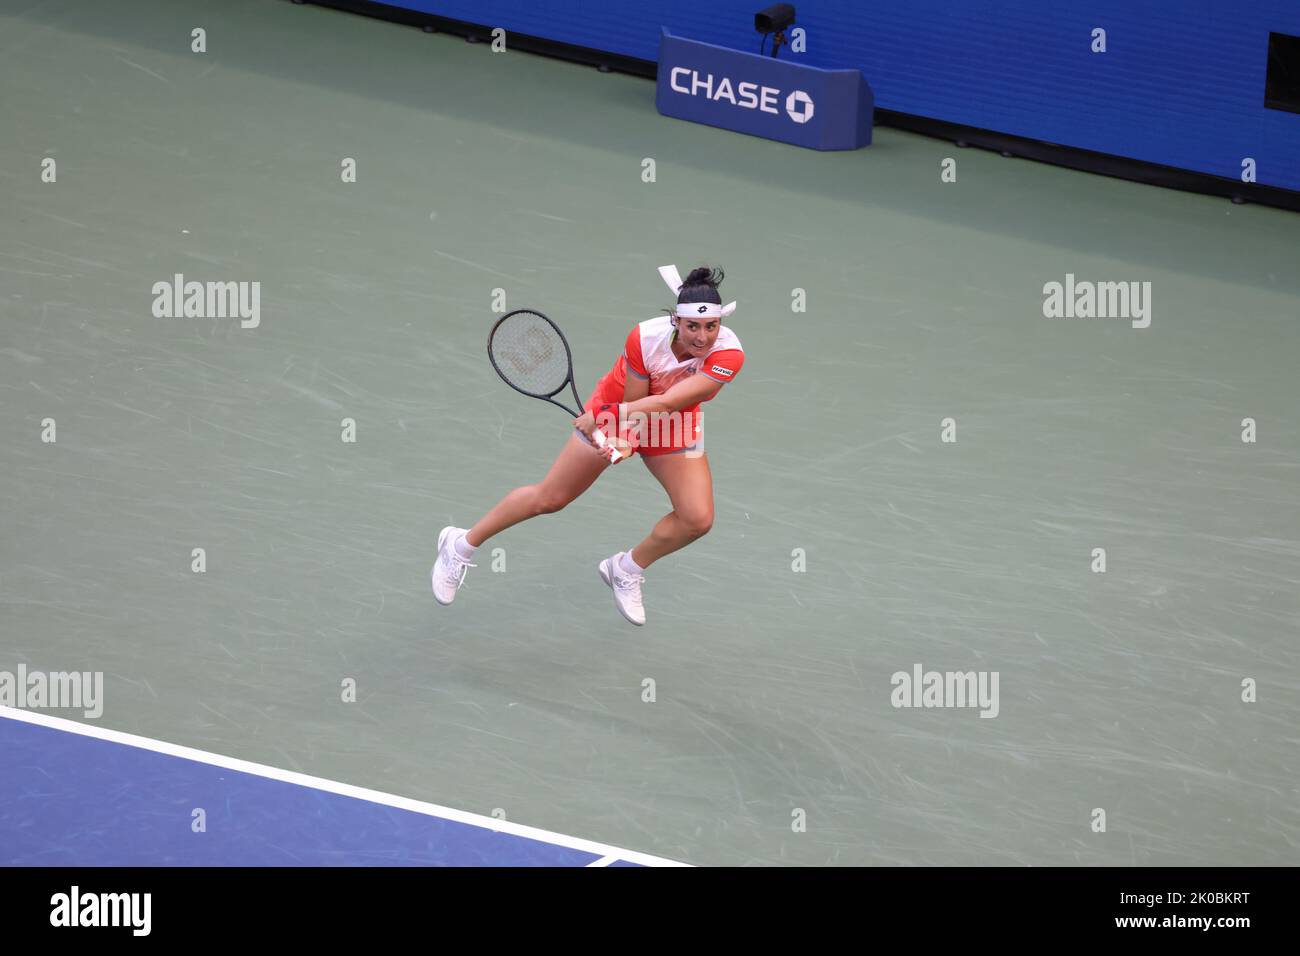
x: 479, y: 171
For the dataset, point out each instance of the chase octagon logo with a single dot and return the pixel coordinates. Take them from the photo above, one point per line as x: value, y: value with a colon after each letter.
x: 799, y: 106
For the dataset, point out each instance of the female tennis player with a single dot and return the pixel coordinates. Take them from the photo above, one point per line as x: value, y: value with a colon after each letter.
x: 648, y: 404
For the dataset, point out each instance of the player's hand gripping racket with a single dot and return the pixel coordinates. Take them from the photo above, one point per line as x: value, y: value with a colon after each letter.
x: 530, y: 352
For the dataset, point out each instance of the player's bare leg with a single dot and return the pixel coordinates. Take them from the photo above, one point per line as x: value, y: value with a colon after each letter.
x: 574, y: 470
x: 689, y: 484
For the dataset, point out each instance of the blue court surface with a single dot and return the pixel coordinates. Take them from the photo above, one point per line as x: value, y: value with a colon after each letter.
x: 75, y: 795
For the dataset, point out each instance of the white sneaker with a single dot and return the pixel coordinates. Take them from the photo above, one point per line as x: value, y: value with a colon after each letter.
x: 450, y: 568
x: 626, y: 588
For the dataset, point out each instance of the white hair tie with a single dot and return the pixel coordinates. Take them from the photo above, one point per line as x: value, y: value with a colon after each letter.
x: 672, y: 277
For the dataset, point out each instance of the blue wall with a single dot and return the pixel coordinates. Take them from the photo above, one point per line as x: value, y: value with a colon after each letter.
x: 1182, y: 83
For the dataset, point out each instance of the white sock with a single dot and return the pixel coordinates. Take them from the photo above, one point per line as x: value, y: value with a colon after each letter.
x: 463, y: 547
x: 628, y: 565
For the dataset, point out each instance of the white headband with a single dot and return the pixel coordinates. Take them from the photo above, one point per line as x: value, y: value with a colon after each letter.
x: 704, y: 310
x: 693, y: 310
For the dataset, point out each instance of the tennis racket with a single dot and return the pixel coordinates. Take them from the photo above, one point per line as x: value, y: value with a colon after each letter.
x: 532, y: 355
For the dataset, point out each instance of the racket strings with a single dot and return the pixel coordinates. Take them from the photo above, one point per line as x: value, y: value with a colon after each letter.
x: 530, y: 354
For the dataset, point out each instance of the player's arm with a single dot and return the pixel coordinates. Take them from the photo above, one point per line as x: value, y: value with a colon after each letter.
x: 685, y: 394
x: 637, y: 399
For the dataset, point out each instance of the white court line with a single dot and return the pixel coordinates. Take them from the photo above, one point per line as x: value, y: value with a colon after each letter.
x: 603, y: 861
x: 603, y: 850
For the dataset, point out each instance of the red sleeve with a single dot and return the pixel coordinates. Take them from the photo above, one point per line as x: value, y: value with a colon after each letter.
x: 632, y: 352
x: 725, y: 365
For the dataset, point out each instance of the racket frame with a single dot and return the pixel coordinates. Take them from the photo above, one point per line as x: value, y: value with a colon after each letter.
x: 601, y: 441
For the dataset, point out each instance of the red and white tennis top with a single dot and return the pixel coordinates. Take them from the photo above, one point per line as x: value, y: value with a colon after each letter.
x: 648, y: 353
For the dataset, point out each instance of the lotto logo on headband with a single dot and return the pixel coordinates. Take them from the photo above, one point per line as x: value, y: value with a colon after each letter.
x: 725, y: 372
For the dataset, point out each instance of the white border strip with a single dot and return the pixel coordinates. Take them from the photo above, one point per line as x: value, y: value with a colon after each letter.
x: 604, y: 850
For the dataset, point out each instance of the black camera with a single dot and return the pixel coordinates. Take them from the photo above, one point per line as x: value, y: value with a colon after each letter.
x: 774, y: 20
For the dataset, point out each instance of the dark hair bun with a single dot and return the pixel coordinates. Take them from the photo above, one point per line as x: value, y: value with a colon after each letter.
x: 704, y: 276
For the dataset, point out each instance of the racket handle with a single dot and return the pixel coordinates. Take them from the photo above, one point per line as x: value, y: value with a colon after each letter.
x: 602, y: 441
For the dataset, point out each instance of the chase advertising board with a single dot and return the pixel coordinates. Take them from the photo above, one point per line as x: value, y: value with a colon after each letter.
x: 763, y: 96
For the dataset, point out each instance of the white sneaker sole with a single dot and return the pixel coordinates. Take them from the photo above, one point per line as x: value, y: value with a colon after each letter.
x: 433, y: 575
x: 604, y: 576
